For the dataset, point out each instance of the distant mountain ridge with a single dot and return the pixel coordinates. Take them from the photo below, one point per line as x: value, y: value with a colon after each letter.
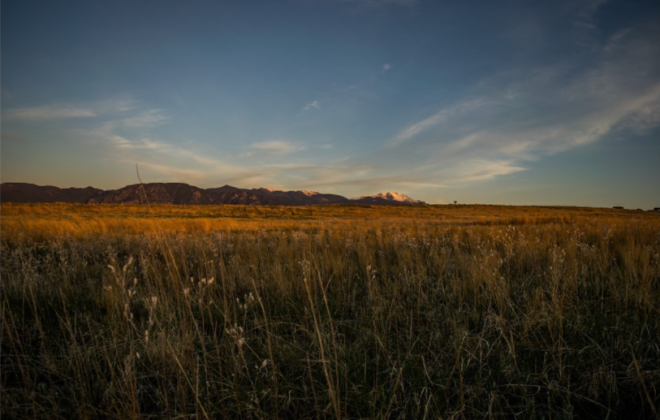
x: 391, y: 196
x: 180, y: 193
x: 29, y: 193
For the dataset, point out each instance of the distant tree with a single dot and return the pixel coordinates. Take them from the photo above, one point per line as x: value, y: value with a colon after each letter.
x: 455, y: 202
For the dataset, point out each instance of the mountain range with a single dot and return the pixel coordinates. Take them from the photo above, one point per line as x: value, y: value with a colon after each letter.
x: 179, y: 193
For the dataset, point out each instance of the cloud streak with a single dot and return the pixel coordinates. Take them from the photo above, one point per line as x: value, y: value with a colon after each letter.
x: 435, y: 119
x: 520, y: 116
x: 89, y: 110
x: 277, y: 147
x: 51, y: 112
x: 314, y: 104
x: 150, y: 118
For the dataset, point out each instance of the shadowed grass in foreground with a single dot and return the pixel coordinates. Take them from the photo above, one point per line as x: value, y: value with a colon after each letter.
x: 357, y: 314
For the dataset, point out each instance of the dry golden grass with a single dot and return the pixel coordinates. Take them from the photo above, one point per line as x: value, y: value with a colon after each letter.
x: 329, y: 312
x: 44, y: 220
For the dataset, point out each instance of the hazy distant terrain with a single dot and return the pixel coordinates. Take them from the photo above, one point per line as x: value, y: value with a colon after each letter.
x: 338, y: 311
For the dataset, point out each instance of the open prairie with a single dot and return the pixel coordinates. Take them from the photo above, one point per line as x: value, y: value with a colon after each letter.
x: 337, y: 311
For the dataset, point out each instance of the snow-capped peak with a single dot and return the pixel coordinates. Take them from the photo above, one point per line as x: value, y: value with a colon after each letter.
x: 309, y: 193
x: 393, y: 196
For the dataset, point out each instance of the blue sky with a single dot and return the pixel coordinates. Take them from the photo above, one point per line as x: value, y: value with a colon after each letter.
x: 508, y: 102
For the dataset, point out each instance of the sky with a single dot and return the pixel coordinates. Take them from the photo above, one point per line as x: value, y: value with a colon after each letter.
x: 508, y: 102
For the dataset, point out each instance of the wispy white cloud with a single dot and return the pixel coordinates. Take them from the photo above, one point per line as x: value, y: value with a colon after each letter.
x: 150, y: 118
x: 165, y: 158
x: 522, y: 116
x: 121, y: 104
x: 417, y: 185
x: 480, y: 170
x: 435, y: 119
x: 313, y: 104
x: 277, y: 147
x: 103, y: 108
x: 50, y: 112
x: 386, y: 67
x: 142, y: 144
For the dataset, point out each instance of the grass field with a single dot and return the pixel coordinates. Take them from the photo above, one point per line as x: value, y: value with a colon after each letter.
x: 337, y: 312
